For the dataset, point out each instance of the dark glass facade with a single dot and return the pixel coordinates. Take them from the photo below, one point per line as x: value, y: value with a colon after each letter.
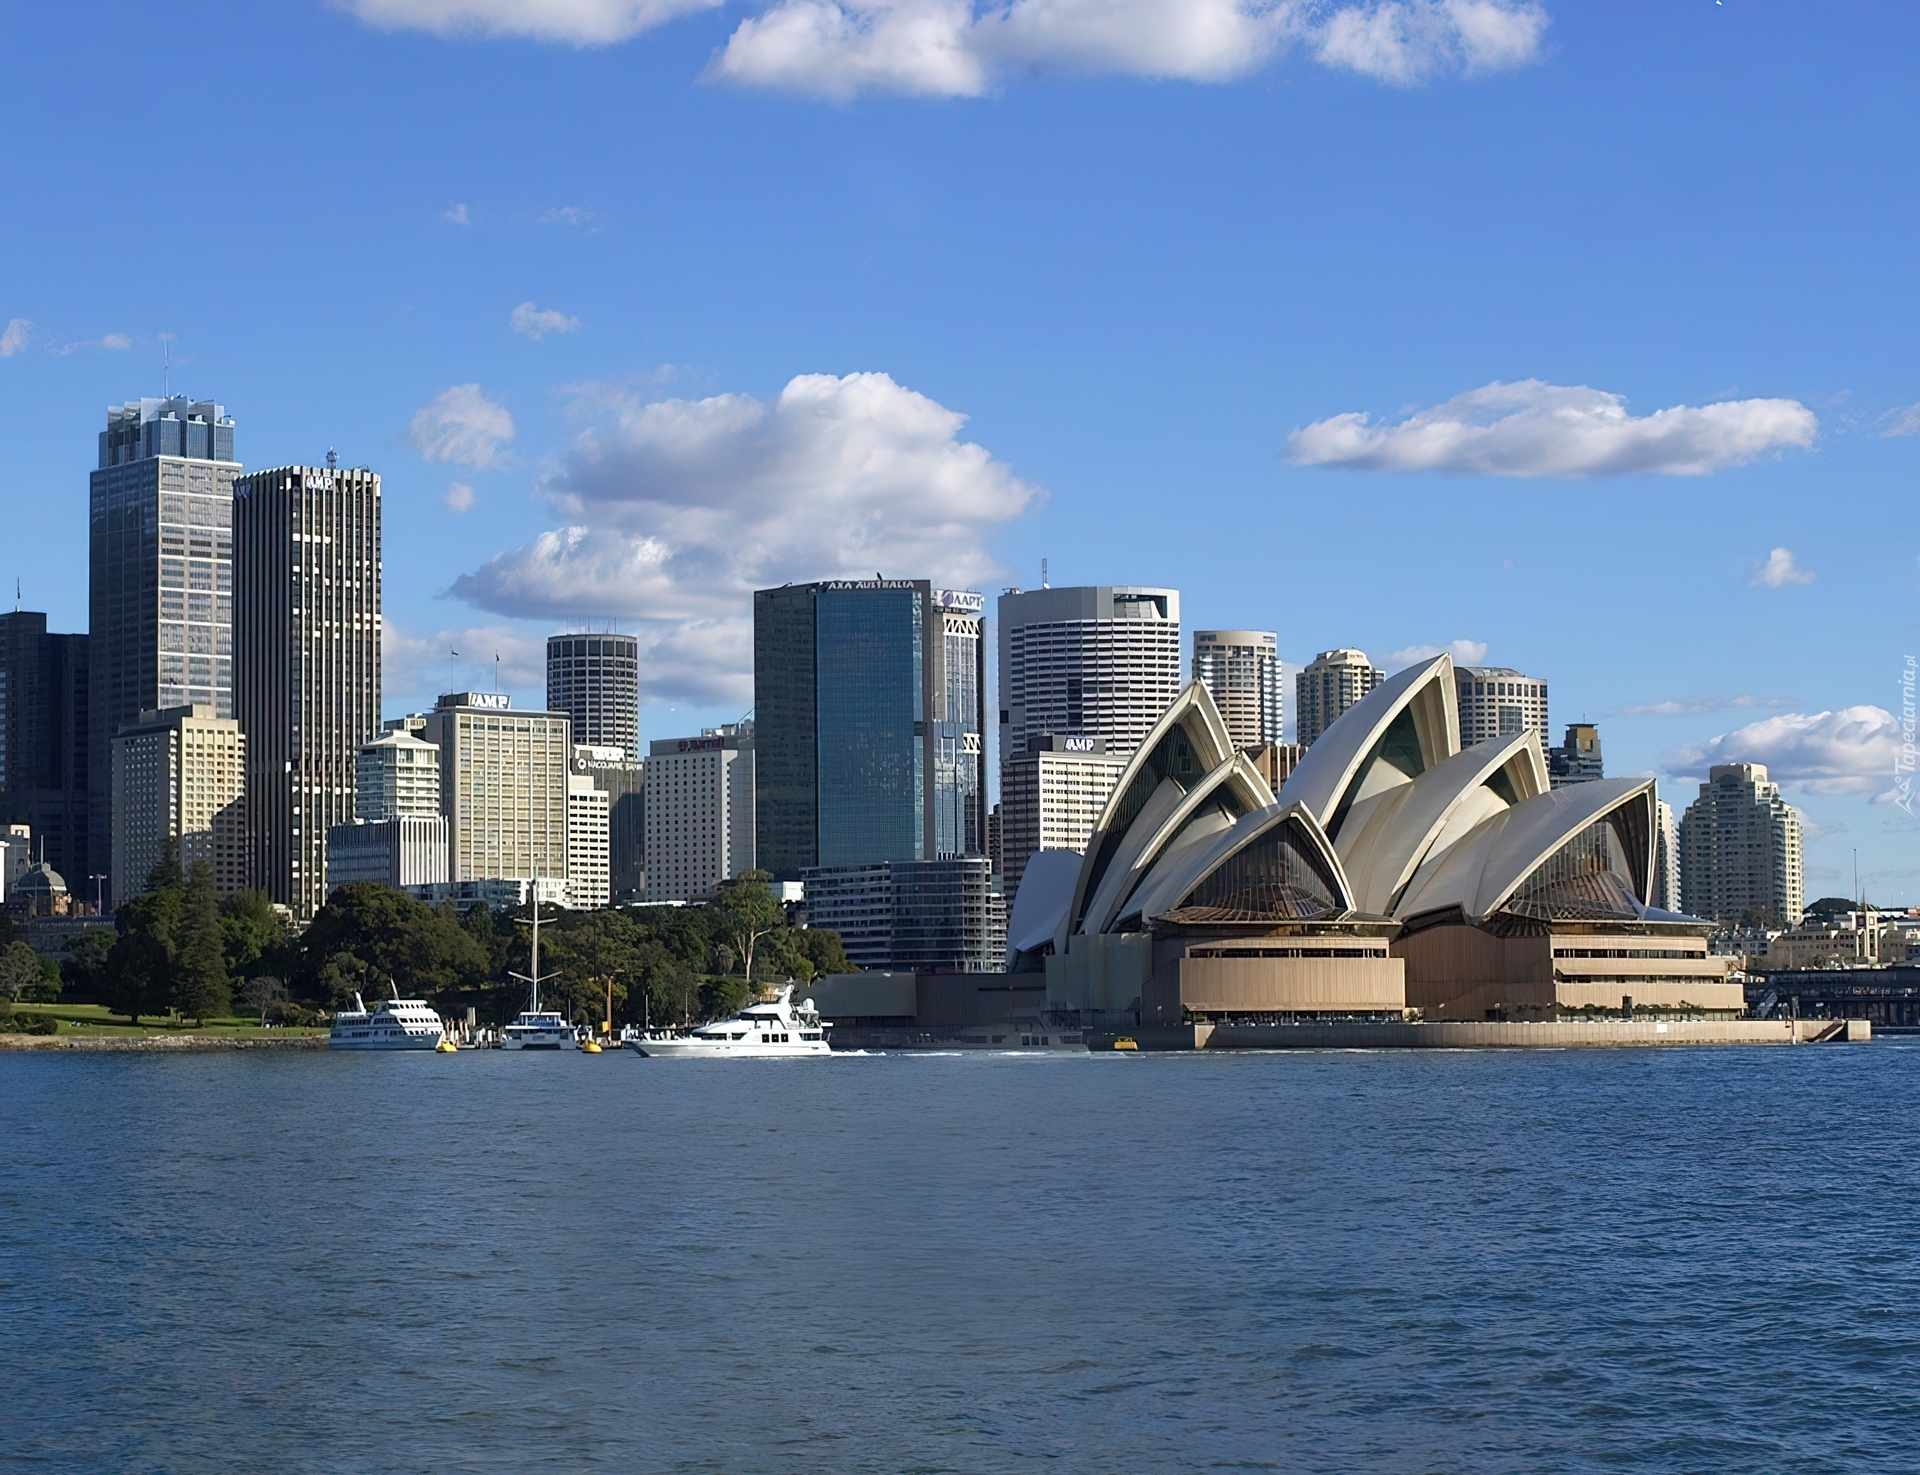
x: 43, y: 743
x: 868, y: 718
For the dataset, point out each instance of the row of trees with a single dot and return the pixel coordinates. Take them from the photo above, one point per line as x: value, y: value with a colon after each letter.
x: 177, y: 946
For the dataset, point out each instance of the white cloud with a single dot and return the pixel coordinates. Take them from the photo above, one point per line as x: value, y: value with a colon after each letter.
x: 1405, y: 42
x: 14, y: 339
x: 1692, y: 705
x: 1851, y: 751
x: 416, y: 666
x: 459, y: 496
x: 463, y: 426
x: 570, y: 215
x: 1779, y: 569
x: 535, y: 323
x: 118, y: 342
x: 573, y: 22
x: 678, y: 509
x: 1464, y: 653
x: 1536, y: 429
x: 456, y: 214
x: 956, y: 48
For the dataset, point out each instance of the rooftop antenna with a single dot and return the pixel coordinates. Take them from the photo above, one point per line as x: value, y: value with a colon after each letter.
x: 496, y: 670
x: 452, y: 656
x: 1043, y: 575
x: 166, y: 366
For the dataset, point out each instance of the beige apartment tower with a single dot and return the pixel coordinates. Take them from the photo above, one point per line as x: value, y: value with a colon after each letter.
x: 179, y: 781
x: 589, y: 875
x: 503, y: 787
x: 1331, y: 682
x: 700, y: 812
x: 306, y: 677
x: 1496, y: 701
x: 1050, y: 799
x: 1241, y: 671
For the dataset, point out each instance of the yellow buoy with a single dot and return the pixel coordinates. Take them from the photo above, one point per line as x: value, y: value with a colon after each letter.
x: 446, y: 1046
x: 589, y: 1047
x: 1126, y: 1042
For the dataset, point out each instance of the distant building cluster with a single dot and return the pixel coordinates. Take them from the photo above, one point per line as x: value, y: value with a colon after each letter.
x: 226, y: 705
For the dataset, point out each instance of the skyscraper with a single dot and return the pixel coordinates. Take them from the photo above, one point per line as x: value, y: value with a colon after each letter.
x: 179, y: 781
x: 396, y: 776
x: 700, y: 812
x: 623, y: 779
x: 307, y: 664
x: 1666, y: 858
x: 868, y: 710
x: 160, y: 577
x: 595, y: 680
x: 503, y: 788
x: 1241, y: 671
x: 1329, y: 684
x: 587, y: 868
x: 1740, y: 850
x: 1496, y: 701
x: 1094, y: 661
x: 43, y: 743
x: 1050, y: 799
x: 1577, y: 760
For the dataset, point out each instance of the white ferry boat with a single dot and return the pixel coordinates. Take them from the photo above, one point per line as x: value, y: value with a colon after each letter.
x: 398, y: 1024
x: 761, y: 1030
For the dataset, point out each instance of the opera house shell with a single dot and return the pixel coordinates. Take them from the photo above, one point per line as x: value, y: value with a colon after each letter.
x: 1395, y: 876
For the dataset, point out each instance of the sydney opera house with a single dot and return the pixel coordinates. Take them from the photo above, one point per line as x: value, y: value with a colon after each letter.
x: 1395, y: 876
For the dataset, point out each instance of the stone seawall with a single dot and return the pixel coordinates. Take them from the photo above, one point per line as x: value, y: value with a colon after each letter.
x: 1489, y: 1034
x: 161, y: 1042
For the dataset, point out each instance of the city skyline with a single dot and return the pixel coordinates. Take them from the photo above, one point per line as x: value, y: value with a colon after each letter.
x: 1219, y: 334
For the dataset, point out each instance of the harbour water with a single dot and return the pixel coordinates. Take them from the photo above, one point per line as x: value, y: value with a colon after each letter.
x: 1698, y: 1259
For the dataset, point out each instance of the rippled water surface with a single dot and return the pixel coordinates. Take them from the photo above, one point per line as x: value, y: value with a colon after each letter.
x: 1437, y: 1261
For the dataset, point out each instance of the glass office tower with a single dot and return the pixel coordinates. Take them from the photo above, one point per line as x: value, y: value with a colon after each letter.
x: 160, y: 576
x: 868, y: 720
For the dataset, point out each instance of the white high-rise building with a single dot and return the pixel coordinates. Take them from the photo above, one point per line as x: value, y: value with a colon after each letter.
x: 405, y: 850
x: 1740, y: 850
x: 700, y: 812
x: 1498, y: 702
x: 1095, y: 661
x: 503, y: 788
x: 1241, y: 671
x: 396, y: 775
x: 1050, y: 799
x: 595, y: 679
x: 1666, y: 859
x: 588, y: 871
x: 179, y: 779
x: 1329, y: 684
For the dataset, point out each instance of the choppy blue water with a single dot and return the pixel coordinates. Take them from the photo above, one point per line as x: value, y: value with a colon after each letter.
x: 1476, y: 1261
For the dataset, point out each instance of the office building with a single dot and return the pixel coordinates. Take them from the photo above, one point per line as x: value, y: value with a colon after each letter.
x: 595, y: 679
x: 503, y: 788
x: 1051, y: 797
x: 1577, y: 760
x: 398, y: 851
x: 868, y: 708
x: 44, y: 757
x: 700, y: 811
x: 1276, y: 761
x: 306, y: 674
x: 159, y: 579
x: 397, y: 775
x: 1329, y: 684
x: 1666, y: 859
x: 1740, y: 850
x: 1497, y: 702
x: 1089, y: 661
x: 587, y: 868
x: 1241, y: 668
x: 623, y: 779
x: 179, y: 782
x: 931, y: 915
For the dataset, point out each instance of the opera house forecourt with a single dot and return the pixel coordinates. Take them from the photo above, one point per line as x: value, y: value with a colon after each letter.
x: 1397, y: 886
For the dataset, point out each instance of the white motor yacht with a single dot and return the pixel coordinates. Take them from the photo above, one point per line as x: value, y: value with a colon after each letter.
x: 759, y: 1030
x: 398, y: 1024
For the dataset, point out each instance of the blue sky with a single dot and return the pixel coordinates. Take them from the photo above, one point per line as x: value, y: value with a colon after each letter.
x: 776, y: 289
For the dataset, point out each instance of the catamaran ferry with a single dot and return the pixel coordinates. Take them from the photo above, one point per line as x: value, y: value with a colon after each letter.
x: 398, y: 1024
x: 776, y: 1029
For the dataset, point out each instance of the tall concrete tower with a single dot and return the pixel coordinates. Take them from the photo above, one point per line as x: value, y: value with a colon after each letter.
x: 1241, y: 671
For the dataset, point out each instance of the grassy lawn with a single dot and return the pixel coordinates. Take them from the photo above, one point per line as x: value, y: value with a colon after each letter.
x: 93, y: 1019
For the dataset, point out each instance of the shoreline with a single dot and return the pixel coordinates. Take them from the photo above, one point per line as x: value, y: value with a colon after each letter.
x: 187, y: 1042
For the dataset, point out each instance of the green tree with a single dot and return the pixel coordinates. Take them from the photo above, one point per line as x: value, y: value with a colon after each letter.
x: 369, y: 936
x: 251, y: 935
x: 85, y: 970
x: 823, y: 949
x: 590, y: 954
x: 749, y: 910
x: 19, y: 969
x: 46, y: 988
x: 201, y: 987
